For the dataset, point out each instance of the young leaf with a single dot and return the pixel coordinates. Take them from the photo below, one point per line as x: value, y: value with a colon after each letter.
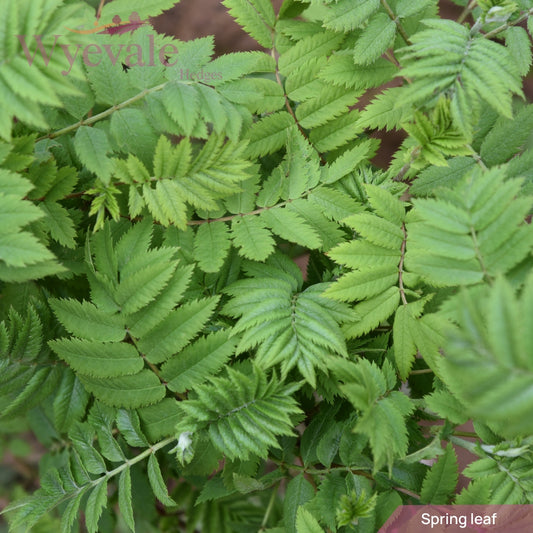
x: 306, y: 522
x: 211, y: 246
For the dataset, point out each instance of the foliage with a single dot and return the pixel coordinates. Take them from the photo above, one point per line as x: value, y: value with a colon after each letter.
x: 156, y: 335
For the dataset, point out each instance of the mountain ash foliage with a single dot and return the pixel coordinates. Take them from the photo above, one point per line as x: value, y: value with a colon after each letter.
x: 156, y: 335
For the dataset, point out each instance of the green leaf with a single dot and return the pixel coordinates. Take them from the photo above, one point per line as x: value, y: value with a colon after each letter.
x: 182, y: 103
x: 159, y: 419
x: 469, y: 67
x: 446, y: 406
x: 385, y: 204
x: 83, y: 319
x: 98, y: 359
x: 129, y: 392
x: 347, y: 162
x: 440, y: 482
x: 70, y: 513
x: 157, y: 483
x: 92, y: 146
x: 253, y: 238
x: 325, y: 503
x: 306, y: 522
x: 198, y: 361
x: 242, y: 414
x: 291, y: 227
x: 346, y: 15
x: 507, y: 137
x: 143, y: 286
x: 299, y: 491
x: 268, y: 134
x: 404, y: 344
x: 177, y: 329
x: 322, y: 43
x: 461, y: 236
x: 384, y: 424
x: 518, y: 44
x: 124, y: 498
x: 95, y: 505
x: 122, y: 8
x: 372, y: 312
x: 21, y: 249
x: 376, y: 38
x: 433, y: 177
x: 82, y: 434
x: 211, y: 246
x: 329, y: 103
x: 491, y: 343
x: 256, y: 17
x: 129, y: 426
x: 70, y: 401
x: 377, y: 230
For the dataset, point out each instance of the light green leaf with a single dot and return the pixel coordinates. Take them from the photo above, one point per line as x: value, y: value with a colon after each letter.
x: 404, y: 345
x: 306, y: 522
x: 198, y: 361
x: 211, y: 245
x: 292, y: 227
x: 92, y: 146
x: 177, y: 329
x: 253, y: 238
x: 440, y: 482
x: 376, y: 38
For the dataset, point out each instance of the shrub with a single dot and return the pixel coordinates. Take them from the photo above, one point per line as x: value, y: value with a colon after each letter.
x: 157, y: 336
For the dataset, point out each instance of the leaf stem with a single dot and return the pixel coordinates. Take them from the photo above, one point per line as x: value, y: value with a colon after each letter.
x: 477, y: 158
x: 507, y: 25
x: 469, y: 434
x: 408, y: 492
x: 289, y: 108
x: 400, y: 266
x: 269, y: 508
x: 421, y: 371
x: 466, y: 11
x: 396, y: 20
x: 103, y: 114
